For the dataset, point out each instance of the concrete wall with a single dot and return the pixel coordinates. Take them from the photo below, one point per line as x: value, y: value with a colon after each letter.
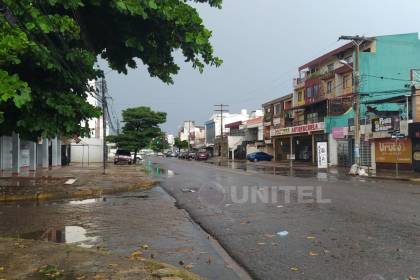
x: 89, y: 150
x: 332, y: 150
x: 17, y: 154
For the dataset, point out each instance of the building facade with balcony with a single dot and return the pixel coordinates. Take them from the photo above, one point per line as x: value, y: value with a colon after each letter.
x: 324, y: 97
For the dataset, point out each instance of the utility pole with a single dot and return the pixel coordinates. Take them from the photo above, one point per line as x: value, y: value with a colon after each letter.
x: 103, y: 92
x: 357, y: 42
x: 221, y: 111
x: 189, y: 139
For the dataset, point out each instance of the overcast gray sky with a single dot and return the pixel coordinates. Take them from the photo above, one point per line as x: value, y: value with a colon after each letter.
x: 262, y: 42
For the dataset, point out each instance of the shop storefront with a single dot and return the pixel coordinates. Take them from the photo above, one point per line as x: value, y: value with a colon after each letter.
x: 390, y: 151
x: 414, y: 133
x: 298, y: 142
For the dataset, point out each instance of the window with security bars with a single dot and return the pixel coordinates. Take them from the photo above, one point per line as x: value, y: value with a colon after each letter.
x: 365, y: 153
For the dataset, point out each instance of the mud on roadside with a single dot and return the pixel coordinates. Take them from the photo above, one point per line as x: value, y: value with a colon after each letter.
x: 88, y: 182
x: 28, y: 259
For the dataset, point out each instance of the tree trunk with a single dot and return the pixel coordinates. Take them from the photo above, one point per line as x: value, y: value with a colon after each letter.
x: 135, y: 156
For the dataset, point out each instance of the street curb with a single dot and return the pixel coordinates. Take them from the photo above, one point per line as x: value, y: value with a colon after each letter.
x: 392, y: 178
x: 81, y: 193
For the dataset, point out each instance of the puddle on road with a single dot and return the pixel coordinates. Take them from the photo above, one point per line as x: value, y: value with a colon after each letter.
x: 87, y: 201
x: 283, y: 171
x: 156, y: 171
x: 68, y: 234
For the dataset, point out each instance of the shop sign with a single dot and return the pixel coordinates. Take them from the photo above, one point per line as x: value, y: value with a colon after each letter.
x: 382, y: 124
x: 339, y: 132
x: 267, y: 124
x: 306, y: 128
x: 267, y: 141
x: 387, y: 150
x: 276, y: 121
x: 322, y: 154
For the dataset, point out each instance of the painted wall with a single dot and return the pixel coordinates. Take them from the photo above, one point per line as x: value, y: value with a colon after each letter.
x: 395, y: 56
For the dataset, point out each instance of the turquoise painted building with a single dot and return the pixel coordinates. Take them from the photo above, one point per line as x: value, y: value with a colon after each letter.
x: 385, y: 73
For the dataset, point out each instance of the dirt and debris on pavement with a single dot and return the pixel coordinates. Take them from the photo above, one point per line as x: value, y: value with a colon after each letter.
x: 28, y: 259
x: 75, y: 181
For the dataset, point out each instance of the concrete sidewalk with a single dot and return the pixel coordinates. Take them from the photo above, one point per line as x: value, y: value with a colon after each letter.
x: 284, y: 168
x: 75, y: 181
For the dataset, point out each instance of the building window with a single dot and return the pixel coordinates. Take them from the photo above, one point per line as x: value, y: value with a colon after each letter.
x: 330, y: 87
x: 277, y: 109
x: 347, y: 81
x: 330, y: 67
x: 300, y: 96
x: 309, y: 92
x: 316, y: 90
x: 312, y: 118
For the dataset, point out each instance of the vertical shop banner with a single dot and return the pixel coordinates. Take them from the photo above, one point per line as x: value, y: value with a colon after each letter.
x: 322, y: 155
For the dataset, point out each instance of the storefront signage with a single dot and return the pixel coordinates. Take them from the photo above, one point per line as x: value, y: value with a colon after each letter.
x: 382, y: 124
x: 322, y: 154
x: 306, y: 128
x: 388, y: 150
x: 339, y: 132
x: 267, y: 123
x: 276, y: 121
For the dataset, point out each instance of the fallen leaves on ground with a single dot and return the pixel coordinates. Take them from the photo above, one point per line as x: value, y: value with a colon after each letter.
x: 294, y: 269
x: 188, y: 266
x: 313, y: 254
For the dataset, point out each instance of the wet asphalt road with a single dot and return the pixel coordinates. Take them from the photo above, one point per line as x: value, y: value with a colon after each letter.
x: 122, y: 224
x: 369, y: 230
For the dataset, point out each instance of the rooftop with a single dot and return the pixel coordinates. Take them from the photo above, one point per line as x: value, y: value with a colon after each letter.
x: 328, y: 55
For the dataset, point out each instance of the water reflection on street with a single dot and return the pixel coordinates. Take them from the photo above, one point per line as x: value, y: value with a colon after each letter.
x: 121, y: 224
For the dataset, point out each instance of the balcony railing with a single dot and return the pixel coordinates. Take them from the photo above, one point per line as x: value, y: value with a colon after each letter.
x: 299, y: 82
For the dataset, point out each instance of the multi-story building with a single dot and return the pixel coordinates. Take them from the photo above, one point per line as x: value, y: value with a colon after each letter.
x: 277, y: 115
x: 192, y: 133
x: 213, y: 130
x: 253, y: 130
x: 323, y: 105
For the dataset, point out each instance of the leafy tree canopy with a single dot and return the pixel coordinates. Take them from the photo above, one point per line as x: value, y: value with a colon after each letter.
x: 141, y: 125
x: 48, y: 49
x: 159, y: 143
x: 180, y: 144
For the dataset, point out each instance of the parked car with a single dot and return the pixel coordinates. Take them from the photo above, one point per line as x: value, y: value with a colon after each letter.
x: 201, y: 155
x: 171, y: 154
x: 259, y: 156
x: 191, y: 155
x: 183, y: 155
x: 123, y: 156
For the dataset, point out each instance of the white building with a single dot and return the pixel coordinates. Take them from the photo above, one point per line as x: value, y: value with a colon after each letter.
x: 89, y: 150
x: 193, y: 133
x: 213, y: 126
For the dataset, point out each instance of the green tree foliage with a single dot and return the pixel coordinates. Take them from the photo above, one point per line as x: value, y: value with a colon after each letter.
x: 159, y: 143
x: 48, y: 49
x: 180, y: 144
x: 141, y: 125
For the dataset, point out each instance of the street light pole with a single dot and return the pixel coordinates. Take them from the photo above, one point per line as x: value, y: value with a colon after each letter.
x: 357, y: 42
x: 221, y: 111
